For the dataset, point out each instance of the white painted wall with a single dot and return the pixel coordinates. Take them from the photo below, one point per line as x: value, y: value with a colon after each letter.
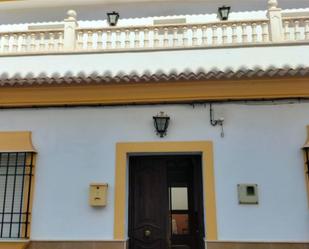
x: 76, y: 146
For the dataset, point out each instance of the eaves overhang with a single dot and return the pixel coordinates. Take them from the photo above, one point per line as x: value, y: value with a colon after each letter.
x: 131, y: 78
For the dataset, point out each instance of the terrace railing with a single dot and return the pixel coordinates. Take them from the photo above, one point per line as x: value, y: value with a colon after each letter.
x: 273, y: 29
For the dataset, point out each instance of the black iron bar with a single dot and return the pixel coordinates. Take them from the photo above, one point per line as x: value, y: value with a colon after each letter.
x: 22, y: 194
x: 14, y: 222
x: 170, y: 209
x: 13, y: 197
x: 4, y: 196
x: 13, y: 174
x: 18, y: 166
x: 29, y: 195
x: 0, y: 178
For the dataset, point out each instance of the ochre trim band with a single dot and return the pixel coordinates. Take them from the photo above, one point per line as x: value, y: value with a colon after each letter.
x: 153, y: 93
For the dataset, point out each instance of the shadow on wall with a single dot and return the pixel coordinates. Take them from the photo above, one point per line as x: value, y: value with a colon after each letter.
x: 137, y: 10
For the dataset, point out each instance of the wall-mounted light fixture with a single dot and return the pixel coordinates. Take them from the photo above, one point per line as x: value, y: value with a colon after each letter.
x: 224, y: 12
x: 112, y: 18
x: 306, y: 152
x: 215, y: 122
x: 161, y: 122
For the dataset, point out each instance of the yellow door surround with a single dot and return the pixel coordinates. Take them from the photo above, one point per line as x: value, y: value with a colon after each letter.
x: 123, y: 150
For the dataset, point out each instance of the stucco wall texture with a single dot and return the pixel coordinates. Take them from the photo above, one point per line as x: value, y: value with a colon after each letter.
x: 76, y: 146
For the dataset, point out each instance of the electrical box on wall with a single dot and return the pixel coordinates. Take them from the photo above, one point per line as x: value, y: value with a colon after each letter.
x: 98, y: 194
x: 247, y: 193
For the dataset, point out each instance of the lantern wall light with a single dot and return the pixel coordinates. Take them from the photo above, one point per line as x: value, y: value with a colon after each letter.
x: 112, y: 18
x: 161, y: 122
x: 224, y: 12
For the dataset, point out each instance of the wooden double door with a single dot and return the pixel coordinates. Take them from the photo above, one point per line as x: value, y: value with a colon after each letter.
x: 166, y: 202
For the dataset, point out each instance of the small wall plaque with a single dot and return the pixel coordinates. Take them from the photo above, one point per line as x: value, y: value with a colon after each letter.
x: 247, y: 193
x: 98, y: 194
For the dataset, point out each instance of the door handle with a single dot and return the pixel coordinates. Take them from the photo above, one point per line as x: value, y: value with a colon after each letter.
x: 147, y: 233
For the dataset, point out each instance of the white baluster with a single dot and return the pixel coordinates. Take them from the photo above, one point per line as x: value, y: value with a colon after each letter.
x: 214, y: 35
x: 24, y: 42
x: 204, y: 35
x: 224, y: 34
x: 307, y: 29
x: 136, y: 38
x: 51, y: 43
x: 100, y: 40
x: 1, y: 43
x: 165, y: 39
x: 156, y: 38
x: 80, y: 40
x: 29, y: 42
x: 15, y: 43
x: 194, y: 36
x: 127, y: 39
x: 234, y: 34
x: 118, y: 38
x: 244, y: 33
x: 108, y: 39
x: 287, y: 33
x: 175, y: 36
x: 146, y: 38
x: 89, y: 40
x: 32, y: 42
x: 265, y: 34
x: 185, y: 36
x: 254, y: 32
x: 296, y: 30
x: 6, y: 45
x: 60, y: 41
x: 42, y: 41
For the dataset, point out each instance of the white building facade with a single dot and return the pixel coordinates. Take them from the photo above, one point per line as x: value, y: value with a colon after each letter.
x: 78, y: 99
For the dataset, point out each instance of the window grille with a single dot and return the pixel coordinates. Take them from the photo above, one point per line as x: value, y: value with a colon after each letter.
x: 16, y: 174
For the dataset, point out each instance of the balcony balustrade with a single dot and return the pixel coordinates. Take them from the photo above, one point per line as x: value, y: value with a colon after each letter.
x: 275, y: 29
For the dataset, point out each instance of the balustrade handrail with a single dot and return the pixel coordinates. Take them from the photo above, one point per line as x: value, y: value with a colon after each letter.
x: 218, y: 24
x: 295, y: 18
x: 37, y: 31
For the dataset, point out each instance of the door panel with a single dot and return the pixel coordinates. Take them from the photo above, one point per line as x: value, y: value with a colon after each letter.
x: 148, y: 203
x: 153, y: 221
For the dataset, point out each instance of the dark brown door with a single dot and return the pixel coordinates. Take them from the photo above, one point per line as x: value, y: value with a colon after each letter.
x: 148, y: 205
x: 165, y: 202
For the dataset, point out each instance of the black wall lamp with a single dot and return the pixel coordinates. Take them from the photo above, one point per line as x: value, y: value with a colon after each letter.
x: 215, y: 122
x: 224, y: 12
x: 306, y: 152
x: 112, y: 18
x: 161, y: 122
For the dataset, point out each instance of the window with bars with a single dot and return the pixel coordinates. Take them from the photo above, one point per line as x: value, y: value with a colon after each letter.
x: 16, y: 175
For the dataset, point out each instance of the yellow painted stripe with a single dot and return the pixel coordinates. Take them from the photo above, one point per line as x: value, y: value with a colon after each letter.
x: 13, y: 245
x: 141, y: 93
